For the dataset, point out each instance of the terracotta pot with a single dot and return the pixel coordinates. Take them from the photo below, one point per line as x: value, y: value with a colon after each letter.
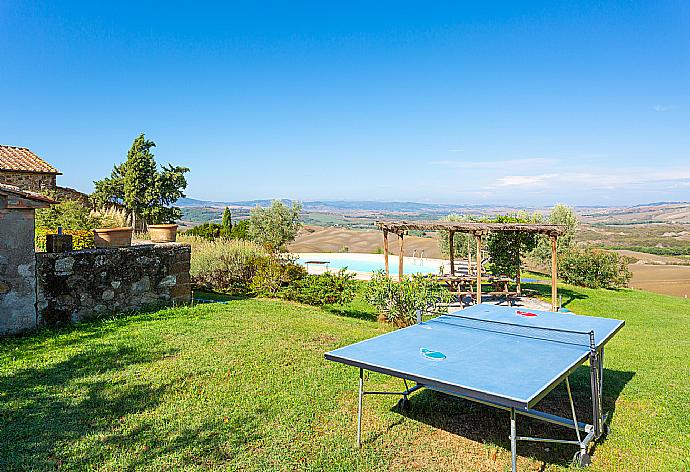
x: 163, y: 233
x: 113, y: 237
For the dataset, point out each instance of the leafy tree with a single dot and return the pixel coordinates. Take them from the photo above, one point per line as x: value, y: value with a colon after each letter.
x: 506, y: 247
x: 146, y: 192
x: 240, y: 230
x: 226, y: 225
x: 560, y: 215
x: 207, y: 230
x: 68, y: 214
x: 275, y: 226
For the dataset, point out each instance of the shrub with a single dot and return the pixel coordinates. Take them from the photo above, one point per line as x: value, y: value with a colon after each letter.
x: 398, y: 302
x: 594, y: 268
x: 273, y: 273
x: 69, y: 215
x: 323, y: 289
x: 209, y: 231
x: 81, y: 238
x: 240, y: 230
x: 226, y: 266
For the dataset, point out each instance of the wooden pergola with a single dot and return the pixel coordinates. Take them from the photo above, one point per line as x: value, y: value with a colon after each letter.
x: 477, y: 230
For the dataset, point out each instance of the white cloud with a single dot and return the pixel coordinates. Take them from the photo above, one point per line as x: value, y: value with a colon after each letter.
x: 662, y: 108
x: 456, y: 150
x: 499, y: 164
x: 524, y: 180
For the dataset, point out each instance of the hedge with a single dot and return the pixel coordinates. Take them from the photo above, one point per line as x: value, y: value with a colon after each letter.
x: 81, y: 238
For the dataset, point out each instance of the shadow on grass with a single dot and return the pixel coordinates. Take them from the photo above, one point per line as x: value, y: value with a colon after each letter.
x: 567, y: 295
x: 490, y: 425
x: 221, y: 297
x: 351, y: 311
x: 75, y: 413
x: 45, y: 408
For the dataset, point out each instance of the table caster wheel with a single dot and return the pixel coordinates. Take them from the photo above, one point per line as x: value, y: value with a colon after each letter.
x: 582, y: 459
x: 403, y: 404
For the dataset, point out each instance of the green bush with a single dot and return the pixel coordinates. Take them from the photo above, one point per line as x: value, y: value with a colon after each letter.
x: 81, y: 238
x: 273, y: 273
x: 222, y: 265
x: 593, y: 268
x: 323, y: 289
x: 209, y: 231
x: 398, y: 302
x: 69, y: 215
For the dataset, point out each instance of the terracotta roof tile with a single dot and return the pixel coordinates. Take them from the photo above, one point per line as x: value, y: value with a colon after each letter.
x: 20, y: 159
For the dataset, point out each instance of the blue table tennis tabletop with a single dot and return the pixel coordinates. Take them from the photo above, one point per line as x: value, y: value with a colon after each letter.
x: 506, y: 366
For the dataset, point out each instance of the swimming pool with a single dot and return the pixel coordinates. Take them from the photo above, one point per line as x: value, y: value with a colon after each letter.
x: 371, y: 262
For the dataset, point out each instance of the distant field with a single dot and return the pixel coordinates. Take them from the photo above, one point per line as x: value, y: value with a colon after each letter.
x: 320, y: 239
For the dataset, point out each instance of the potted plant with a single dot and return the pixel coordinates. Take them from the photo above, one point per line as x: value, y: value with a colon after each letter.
x: 112, y: 237
x: 163, y: 233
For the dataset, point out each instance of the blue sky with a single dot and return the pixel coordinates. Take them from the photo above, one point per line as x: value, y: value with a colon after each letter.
x: 525, y: 103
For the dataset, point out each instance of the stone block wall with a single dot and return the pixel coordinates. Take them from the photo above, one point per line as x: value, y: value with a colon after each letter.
x: 84, y: 284
x: 28, y: 180
x: 17, y: 280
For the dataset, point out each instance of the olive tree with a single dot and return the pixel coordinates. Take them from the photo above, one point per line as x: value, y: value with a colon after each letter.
x: 275, y: 226
x: 560, y: 215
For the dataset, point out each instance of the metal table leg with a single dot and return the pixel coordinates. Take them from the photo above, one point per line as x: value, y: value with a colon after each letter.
x: 513, y: 441
x: 359, y: 409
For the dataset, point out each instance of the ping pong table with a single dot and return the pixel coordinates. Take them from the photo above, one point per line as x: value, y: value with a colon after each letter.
x: 505, y: 357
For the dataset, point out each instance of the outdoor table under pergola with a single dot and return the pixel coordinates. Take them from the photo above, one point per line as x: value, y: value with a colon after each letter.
x: 477, y: 230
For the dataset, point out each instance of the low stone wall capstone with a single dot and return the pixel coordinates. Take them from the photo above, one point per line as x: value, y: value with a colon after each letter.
x: 78, y: 285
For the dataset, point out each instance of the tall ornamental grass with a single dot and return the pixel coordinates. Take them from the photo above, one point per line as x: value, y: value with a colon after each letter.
x: 223, y: 265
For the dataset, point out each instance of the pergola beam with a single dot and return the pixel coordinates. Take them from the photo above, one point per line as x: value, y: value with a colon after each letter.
x: 478, y: 237
x: 385, y: 250
x: 401, y: 257
x: 469, y: 227
x: 554, y: 273
x: 451, y: 251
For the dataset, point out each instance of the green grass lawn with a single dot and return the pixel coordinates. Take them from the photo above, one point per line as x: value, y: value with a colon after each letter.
x: 244, y: 385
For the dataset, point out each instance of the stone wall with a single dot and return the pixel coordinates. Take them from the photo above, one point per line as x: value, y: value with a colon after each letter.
x: 17, y: 261
x: 28, y: 180
x: 84, y: 284
x: 62, y: 194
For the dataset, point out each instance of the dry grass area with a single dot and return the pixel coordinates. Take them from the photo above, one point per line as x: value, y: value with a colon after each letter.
x: 666, y: 279
x: 333, y: 239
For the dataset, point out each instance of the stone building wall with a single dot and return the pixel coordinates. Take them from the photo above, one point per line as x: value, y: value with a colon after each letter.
x: 28, y: 180
x: 17, y: 262
x: 84, y: 284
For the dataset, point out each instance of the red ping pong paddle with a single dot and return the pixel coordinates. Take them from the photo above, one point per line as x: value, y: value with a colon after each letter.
x: 525, y: 313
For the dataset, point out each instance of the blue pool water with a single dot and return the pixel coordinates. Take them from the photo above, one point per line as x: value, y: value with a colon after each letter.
x: 372, y: 263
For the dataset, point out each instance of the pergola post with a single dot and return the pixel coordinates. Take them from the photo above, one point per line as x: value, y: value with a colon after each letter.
x: 469, y: 257
x: 478, y: 237
x: 554, y: 273
x: 385, y: 250
x: 400, y: 258
x: 451, y: 251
